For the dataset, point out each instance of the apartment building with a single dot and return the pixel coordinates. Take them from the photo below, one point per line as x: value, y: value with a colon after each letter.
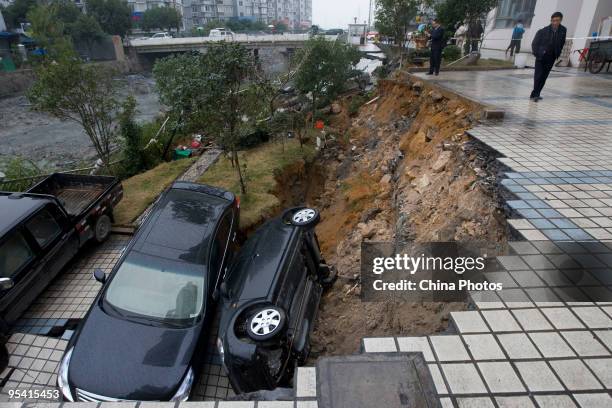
x: 140, y: 6
x: 256, y: 10
x: 296, y: 14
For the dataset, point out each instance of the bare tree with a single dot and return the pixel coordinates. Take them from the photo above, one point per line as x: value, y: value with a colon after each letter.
x: 83, y: 93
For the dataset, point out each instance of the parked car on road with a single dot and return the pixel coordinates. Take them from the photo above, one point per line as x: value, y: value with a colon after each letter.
x: 334, y: 31
x: 221, y: 34
x: 42, y: 229
x: 270, y: 300
x: 145, y: 334
x: 161, y: 35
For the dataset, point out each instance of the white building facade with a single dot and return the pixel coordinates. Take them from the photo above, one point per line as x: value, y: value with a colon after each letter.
x: 140, y: 6
x: 296, y: 14
x: 196, y: 13
x: 2, y: 24
x: 583, y: 19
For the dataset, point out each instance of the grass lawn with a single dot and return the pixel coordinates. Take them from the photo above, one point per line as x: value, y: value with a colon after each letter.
x: 141, y: 190
x: 263, y: 163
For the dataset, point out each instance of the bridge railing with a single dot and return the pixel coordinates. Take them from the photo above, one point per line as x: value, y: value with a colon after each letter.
x: 240, y: 38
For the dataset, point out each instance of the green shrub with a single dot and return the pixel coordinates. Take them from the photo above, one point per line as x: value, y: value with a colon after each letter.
x: 153, y: 148
x: 356, y: 103
x: 133, y: 157
x: 422, y: 53
x: 261, y: 135
x: 19, y: 168
x: 451, y: 53
x: 382, y: 72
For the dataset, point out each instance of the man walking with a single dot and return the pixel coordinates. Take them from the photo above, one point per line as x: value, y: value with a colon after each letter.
x: 437, y: 44
x: 546, y: 47
x: 517, y: 36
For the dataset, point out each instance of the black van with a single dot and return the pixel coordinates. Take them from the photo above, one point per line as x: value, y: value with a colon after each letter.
x: 269, y: 302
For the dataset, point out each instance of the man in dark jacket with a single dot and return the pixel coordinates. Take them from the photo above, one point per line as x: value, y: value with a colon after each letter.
x: 437, y: 45
x: 547, y: 46
x: 474, y: 33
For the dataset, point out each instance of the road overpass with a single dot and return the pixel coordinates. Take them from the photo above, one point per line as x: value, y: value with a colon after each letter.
x: 172, y: 45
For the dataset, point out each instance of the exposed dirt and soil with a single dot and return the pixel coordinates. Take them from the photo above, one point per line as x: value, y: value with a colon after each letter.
x: 402, y: 169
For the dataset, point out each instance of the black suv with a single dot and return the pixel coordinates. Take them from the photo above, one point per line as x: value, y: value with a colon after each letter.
x: 270, y: 300
x: 146, y: 332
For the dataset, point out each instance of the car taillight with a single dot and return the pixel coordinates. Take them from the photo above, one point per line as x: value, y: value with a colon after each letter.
x: 237, y: 200
x: 80, y: 227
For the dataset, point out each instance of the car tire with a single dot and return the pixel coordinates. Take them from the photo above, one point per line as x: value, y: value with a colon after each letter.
x: 305, y: 217
x: 327, y: 275
x: 266, y: 323
x: 102, y: 229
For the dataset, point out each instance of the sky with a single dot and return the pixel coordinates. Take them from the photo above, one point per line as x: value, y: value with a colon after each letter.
x: 339, y: 13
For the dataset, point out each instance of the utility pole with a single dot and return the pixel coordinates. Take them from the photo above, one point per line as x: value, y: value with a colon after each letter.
x: 370, y: 16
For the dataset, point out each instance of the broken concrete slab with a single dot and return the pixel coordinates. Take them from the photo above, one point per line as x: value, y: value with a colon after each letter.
x: 442, y: 161
x: 375, y: 380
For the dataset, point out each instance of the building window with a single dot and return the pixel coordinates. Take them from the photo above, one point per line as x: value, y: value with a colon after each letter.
x: 509, y: 12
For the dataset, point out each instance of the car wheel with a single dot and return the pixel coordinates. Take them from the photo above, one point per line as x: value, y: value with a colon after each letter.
x: 597, y: 62
x: 305, y: 217
x: 102, y: 229
x: 266, y: 323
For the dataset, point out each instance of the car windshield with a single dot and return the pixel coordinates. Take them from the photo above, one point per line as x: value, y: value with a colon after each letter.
x: 156, y: 289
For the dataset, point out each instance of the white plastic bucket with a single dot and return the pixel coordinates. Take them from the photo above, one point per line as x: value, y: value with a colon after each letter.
x: 520, y: 60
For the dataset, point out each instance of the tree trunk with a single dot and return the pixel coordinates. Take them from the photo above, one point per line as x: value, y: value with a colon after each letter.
x: 314, y: 109
x: 167, y: 147
x: 235, y: 158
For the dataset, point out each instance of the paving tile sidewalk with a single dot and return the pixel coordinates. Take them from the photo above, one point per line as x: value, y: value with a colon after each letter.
x: 559, y: 150
x: 546, y: 339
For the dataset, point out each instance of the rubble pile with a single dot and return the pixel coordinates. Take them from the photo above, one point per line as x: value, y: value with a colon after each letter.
x: 402, y: 169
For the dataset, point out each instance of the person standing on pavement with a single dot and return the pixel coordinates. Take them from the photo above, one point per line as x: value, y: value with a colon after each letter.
x: 475, y: 31
x: 437, y: 45
x: 546, y: 47
x: 517, y: 37
x: 460, y: 36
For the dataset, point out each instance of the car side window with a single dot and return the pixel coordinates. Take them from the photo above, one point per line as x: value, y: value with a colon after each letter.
x: 15, y: 253
x: 220, y: 242
x: 44, y: 228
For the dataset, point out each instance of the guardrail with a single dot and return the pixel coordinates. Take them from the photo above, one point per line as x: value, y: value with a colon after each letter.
x: 239, y: 38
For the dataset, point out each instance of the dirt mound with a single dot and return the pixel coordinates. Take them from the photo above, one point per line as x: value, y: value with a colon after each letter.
x: 403, y: 169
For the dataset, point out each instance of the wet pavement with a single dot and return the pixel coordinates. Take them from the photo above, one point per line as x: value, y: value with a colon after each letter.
x: 559, y: 150
x: 546, y: 339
